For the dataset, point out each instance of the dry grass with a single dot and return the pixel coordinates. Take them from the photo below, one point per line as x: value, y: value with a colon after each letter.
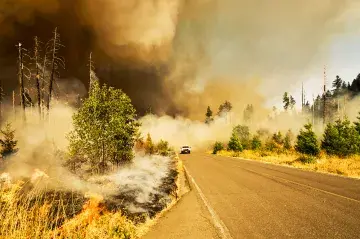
x: 324, y: 163
x: 34, y: 215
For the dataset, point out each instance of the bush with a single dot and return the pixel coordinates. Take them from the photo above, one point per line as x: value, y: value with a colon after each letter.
x: 287, y: 140
x: 307, y: 141
x: 218, y: 146
x: 255, y: 143
x: 234, y: 143
x: 307, y: 159
x: 341, y: 139
x: 163, y: 148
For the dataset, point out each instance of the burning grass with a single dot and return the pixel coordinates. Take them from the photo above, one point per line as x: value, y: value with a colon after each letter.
x: 349, y: 166
x: 29, y: 209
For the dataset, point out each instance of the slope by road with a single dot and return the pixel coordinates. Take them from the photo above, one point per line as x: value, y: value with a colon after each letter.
x: 256, y: 200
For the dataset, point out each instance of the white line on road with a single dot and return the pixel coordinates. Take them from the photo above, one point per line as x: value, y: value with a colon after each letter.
x: 217, y: 221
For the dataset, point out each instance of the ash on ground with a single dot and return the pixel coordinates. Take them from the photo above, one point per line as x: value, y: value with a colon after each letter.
x: 142, y: 189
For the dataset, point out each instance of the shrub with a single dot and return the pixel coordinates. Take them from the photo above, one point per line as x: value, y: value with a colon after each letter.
x: 256, y: 143
x: 341, y: 139
x: 218, y: 146
x: 163, y: 148
x: 307, y: 141
x: 307, y: 159
x: 287, y: 140
x: 234, y: 143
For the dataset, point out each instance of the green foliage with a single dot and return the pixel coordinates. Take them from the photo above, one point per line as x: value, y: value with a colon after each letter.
x: 209, y: 116
x: 149, y: 145
x: 357, y: 124
x: 104, y: 129
x: 341, y: 139
x: 243, y: 133
x: 289, y: 101
x: 255, y: 143
x: 234, y: 143
x: 163, y: 148
x: 225, y: 107
x: 288, y: 140
x: 307, y: 159
x: 278, y: 138
x: 307, y: 141
x: 218, y: 146
x: 8, y: 143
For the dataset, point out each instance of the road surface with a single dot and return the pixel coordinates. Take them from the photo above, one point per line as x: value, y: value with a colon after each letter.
x: 255, y: 200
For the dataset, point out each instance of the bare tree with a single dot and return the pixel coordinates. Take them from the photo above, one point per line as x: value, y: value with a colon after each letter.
x: 91, y: 69
x: 56, y: 62
x: 21, y: 77
x: 37, y: 72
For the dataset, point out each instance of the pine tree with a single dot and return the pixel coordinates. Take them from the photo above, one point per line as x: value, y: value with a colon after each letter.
x: 341, y: 139
x: 209, y: 115
x: 286, y: 101
x: 8, y: 143
x: 357, y: 124
x: 234, y: 143
x: 307, y: 141
x: 149, y: 145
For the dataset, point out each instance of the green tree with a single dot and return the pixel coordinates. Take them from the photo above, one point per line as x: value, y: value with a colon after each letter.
x: 218, y: 146
x: 209, y: 116
x: 243, y: 133
x: 149, y: 145
x: 341, y: 139
x: 357, y: 123
x: 337, y: 84
x: 292, y: 102
x: 224, y: 108
x: 104, y: 128
x: 234, y: 143
x: 255, y: 143
x: 307, y: 141
x: 8, y: 143
x: 286, y: 101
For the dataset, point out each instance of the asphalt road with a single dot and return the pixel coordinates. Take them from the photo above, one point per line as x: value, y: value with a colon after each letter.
x: 256, y: 200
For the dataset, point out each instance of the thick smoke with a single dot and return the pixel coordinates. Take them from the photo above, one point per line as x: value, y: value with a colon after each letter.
x: 167, y: 54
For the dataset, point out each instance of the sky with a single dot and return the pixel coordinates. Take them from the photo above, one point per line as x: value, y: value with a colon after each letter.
x: 342, y: 57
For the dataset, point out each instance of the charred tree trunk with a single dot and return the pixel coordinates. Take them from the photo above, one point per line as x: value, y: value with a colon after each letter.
x: 52, y: 69
x: 21, y: 79
x: 37, y: 74
x: 13, y: 103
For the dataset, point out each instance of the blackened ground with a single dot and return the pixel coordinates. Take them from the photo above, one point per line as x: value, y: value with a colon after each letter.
x: 139, y: 212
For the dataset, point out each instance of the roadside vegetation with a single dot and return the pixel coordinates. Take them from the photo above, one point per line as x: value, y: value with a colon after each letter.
x: 332, y: 145
x: 103, y: 141
x: 336, y: 151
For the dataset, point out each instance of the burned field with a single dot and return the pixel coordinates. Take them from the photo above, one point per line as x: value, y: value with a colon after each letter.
x: 139, y: 191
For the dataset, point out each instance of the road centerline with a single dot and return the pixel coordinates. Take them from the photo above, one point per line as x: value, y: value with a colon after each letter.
x: 300, y: 184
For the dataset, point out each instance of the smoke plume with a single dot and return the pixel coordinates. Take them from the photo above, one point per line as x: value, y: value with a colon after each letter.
x: 169, y: 55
